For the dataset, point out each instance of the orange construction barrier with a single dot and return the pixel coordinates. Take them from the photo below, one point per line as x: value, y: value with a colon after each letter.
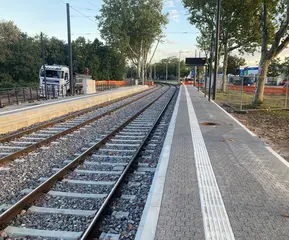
x: 267, y: 90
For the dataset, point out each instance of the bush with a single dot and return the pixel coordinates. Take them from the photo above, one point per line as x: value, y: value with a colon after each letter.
x: 5, y: 77
x: 5, y: 85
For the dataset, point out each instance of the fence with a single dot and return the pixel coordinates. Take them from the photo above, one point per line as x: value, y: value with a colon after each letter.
x: 21, y: 95
x: 240, y: 93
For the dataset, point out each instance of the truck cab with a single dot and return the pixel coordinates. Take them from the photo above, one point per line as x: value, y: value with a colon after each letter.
x: 57, y: 79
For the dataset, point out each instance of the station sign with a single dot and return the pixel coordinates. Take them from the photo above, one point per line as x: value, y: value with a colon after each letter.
x: 196, y: 61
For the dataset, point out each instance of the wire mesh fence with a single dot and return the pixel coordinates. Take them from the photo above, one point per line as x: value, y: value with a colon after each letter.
x: 240, y: 92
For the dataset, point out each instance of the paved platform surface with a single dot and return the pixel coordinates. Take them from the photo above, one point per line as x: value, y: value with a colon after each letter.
x: 36, y: 104
x: 215, y: 182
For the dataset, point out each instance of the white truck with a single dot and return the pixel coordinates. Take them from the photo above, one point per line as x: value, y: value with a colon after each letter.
x: 57, y: 79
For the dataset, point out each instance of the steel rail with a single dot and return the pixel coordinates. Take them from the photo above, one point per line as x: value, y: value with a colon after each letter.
x: 27, y: 200
x: 92, y: 228
x: 36, y: 145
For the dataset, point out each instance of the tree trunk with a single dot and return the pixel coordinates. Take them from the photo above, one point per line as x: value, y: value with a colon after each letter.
x: 259, y: 93
x: 225, y: 66
x: 139, y: 69
x: 143, y: 73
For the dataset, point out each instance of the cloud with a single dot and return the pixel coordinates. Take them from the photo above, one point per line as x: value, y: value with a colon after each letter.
x: 171, y: 41
x: 169, y: 4
x: 174, y: 15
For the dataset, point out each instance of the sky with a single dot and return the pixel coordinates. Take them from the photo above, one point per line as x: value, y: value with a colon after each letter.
x: 49, y: 16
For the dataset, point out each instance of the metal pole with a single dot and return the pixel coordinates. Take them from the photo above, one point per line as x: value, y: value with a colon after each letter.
x: 217, y: 47
x: 241, y: 104
x: 69, y: 50
x: 155, y: 71
x: 198, y: 77
x: 179, y: 68
x: 43, y: 63
x: 286, y: 94
x: 211, y: 66
x: 196, y: 53
x: 205, y: 70
x: 131, y: 75
x: 177, y: 71
x: 151, y: 73
x: 195, y: 77
x: 167, y: 71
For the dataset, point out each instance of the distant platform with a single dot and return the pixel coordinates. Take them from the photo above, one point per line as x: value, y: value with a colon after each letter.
x: 19, y: 116
x: 215, y: 179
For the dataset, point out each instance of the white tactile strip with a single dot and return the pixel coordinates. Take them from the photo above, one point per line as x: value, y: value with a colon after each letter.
x: 148, y: 224
x: 215, y: 218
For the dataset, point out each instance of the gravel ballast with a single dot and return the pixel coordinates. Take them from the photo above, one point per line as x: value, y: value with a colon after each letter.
x: 127, y: 226
x: 39, y: 162
x: 138, y: 182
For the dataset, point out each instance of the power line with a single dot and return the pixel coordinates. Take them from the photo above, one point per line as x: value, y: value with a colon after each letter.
x: 75, y: 16
x: 85, y: 33
x: 79, y: 12
x: 83, y: 14
x: 92, y: 4
x: 164, y: 32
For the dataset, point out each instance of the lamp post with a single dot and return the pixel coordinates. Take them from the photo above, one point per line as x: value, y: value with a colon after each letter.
x: 179, y: 68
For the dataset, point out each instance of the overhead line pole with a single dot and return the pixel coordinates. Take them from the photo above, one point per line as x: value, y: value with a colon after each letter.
x: 211, y: 66
x: 167, y: 71
x: 43, y: 62
x: 71, y: 79
x: 179, y: 68
x: 218, y: 15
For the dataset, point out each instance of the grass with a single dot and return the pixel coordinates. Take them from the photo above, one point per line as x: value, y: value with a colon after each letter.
x: 233, y: 98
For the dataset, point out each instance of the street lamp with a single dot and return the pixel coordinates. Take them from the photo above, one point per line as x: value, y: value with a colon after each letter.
x: 179, y: 68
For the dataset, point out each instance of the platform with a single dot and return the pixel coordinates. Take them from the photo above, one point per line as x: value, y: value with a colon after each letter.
x: 19, y: 116
x: 215, y: 181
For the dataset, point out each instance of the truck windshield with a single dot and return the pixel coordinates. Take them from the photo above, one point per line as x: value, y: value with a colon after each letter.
x: 52, y: 74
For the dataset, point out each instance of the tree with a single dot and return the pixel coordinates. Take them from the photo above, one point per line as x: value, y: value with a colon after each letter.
x: 9, y: 35
x: 172, y: 64
x: 285, y: 67
x: 239, y: 21
x: 234, y: 64
x: 274, y: 23
x: 135, y: 30
x: 20, y: 57
x: 275, y: 68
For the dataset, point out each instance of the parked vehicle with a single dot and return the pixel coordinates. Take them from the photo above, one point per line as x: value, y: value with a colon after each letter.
x: 283, y: 82
x: 57, y: 77
x: 247, y: 81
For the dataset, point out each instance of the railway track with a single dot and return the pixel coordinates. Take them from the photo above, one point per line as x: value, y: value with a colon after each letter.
x: 80, y: 191
x: 23, y: 142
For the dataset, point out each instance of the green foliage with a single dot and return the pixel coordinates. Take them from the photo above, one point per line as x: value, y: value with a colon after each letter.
x: 132, y: 26
x: 285, y: 67
x: 239, y: 22
x: 275, y: 68
x: 234, y: 63
x: 172, y: 64
x: 20, y: 57
x: 5, y: 77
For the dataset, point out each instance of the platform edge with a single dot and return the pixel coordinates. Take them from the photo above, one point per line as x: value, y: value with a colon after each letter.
x: 148, y: 223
